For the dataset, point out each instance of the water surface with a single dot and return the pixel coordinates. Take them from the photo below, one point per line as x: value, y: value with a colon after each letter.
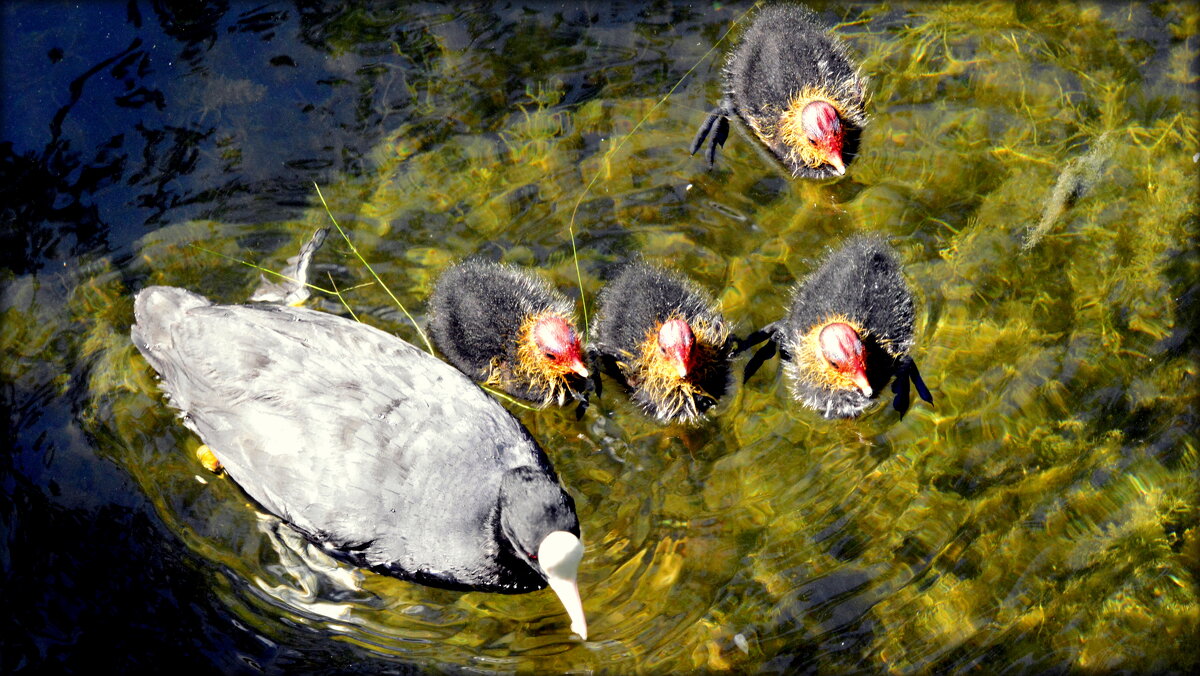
x: 1041, y: 515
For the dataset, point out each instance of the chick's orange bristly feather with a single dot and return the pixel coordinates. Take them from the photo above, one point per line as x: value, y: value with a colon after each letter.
x: 795, y: 87
x: 510, y: 330
x: 665, y: 339
x: 549, y: 356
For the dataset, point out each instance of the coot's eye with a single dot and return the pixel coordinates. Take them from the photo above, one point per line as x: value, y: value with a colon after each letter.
x: 533, y: 557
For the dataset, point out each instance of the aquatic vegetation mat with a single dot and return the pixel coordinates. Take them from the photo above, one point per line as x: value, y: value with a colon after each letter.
x: 1033, y: 165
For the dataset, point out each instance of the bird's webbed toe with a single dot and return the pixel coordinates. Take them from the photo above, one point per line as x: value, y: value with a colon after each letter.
x: 902, y: 399
x: 720, y: 134
x: 915, y: 376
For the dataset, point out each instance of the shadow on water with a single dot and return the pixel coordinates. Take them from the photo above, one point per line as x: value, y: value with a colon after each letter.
x: 1041, y: 516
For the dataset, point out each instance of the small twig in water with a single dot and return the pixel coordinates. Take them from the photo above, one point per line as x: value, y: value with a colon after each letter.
x: 1076, y: 179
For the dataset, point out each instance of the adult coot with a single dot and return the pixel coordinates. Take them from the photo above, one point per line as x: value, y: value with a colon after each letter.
x: 380, y: 453
x: 849, y: 331
x: 665, y: 339
x: 796, y: 88
x: 509, y: 329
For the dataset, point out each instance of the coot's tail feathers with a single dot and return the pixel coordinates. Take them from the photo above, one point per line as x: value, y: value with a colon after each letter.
x: 291, y: 288
x: 716, y: 118
x: 907, y: 373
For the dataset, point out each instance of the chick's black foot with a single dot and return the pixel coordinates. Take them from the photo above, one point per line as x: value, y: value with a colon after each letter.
x: 915, y: 375
x: 716, y: 118
x: 760, y: 357
x: 769, y: 331
x: 907, y: 373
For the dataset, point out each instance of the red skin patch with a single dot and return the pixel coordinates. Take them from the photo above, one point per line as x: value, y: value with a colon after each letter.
x: 559, y: 344
x: 843, y: 349
x: 824, y: 130
x: 676, y: 341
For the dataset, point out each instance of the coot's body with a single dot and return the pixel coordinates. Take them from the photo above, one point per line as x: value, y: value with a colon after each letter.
x: 797, y: 90
x: 384, y: 455
x: 860, y: 295
x: 508, y: 329
x: 665, y: 339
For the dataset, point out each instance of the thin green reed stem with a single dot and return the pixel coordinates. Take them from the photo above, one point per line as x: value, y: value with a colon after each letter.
x: 354, y: 249
x: 428, y: 345
x: 613, y: 150
x: 257, y: 267
x: 342, y: 298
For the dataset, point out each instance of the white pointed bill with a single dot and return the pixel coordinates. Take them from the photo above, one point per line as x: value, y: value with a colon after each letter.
x: 559, y: 555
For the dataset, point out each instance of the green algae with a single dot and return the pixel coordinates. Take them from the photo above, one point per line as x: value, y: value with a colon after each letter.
x: 1042, y: 513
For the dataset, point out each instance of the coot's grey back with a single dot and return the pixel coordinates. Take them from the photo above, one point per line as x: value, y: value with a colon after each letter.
x: 348, y: 433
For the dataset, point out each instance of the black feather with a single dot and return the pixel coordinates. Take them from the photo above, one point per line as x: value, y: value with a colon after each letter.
x: 638, y: 299
x: 785, y: 51
x: 861, y: 281
x: 477, y: 309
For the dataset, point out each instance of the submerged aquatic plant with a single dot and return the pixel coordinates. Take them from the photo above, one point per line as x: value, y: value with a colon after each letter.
x: 1078, y: 177
x: 1042, y: 516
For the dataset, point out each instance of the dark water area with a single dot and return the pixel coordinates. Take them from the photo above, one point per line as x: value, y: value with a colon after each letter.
x: 122, y: 116
x: 1035, y: 166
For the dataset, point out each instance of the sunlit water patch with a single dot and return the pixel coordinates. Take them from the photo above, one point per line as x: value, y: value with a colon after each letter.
x: 1040, y: 514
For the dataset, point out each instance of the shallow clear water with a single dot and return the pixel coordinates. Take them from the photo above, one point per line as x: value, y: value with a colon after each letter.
x: 1042, y: 514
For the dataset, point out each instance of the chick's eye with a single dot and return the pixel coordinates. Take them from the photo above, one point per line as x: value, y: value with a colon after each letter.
x: 549, y: 355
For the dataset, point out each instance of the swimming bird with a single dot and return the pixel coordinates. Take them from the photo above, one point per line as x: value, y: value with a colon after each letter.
x: 509, y: 329
x: 665, y: 339
x: 381, y: 454
x: 797, y: 89
x: 848, y: 331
